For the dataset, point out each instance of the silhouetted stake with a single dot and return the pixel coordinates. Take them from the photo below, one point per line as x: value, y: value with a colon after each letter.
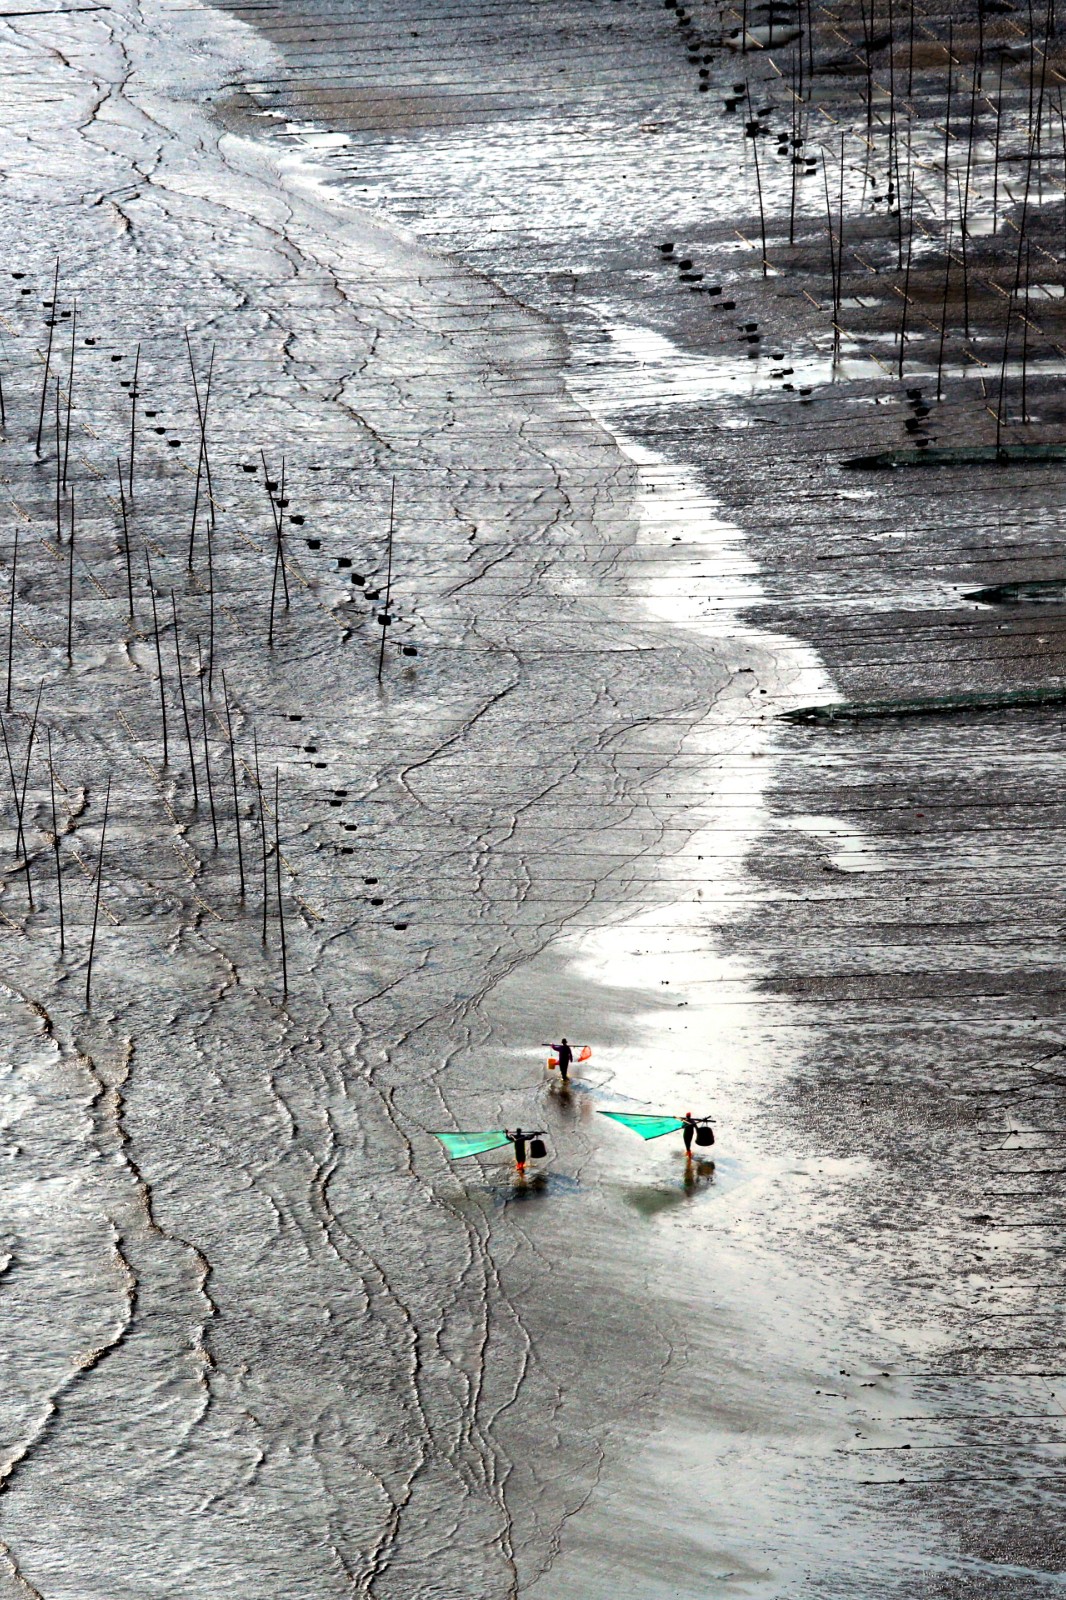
x: 279, y: 554
x: 233, y: 774
x: 125, y: 537
x: 262, y: 830
x: 19, y: 840
x: 207, y: 750
x: 201, y: 461
x: 48, y: 358
x: 70, y: 587
x: 158, y: 658
x: 210, y: 610
x: 947, y: 113
x: 840, y: 239
x: 184, y: 707
x: 965, y: 269
x: 21, y: 853
x: 133, y: 416
x: 1025, y: 337
x: 281, y: 908
x: 758, y: 191
x: 943, y: 320
x: 11, y: 619
x: 1061, y: 124
x: 281, y: 546
x: 55, y: 847
x: 70, y: 388
x: 22, y: 797
x: 3, y: 410
x: 384, y: 619
x: 96, y: 902
x: 866, y: 37
x: 59, y: 472
x: 829, y: 235
x: 793, y: 159
x: 1003, y: 372
x: 1022, y: 245
x: 995, y: 154
x: 979, y: 62
x: 906, y: 286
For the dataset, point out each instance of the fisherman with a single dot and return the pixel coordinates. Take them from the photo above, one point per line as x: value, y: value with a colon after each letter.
x: 519, y: 1140
x: 689, y: 1124
x: 565, y: 1055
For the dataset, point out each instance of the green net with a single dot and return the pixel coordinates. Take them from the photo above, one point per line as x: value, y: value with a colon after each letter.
x: 649, y: 1127
x: 928, y: 705
x: 471, y: 1144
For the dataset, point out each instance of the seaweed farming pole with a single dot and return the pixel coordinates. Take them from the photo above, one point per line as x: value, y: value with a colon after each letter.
x: 20, y: 839
x: 281, y: 907
x: 210, y: 610
x: 59, y: 472
x: 25, y: 786
x: 906, y: 282
x: 943, y: 320
x: 55, y: 847
x: 48, y: 358
x: 70, y: 388
x: 840, y: 236
x: 1062, y: 127
x: 158, y: 657
x: 762, y: 211
x: 133, y: 416
x: 947, y: 112
x: 96, y: 902
x: 383, y: 617
x: 262, y: 830
x: 1025, y: 336
x: 125, y: 537
x: 1022, y: 243
x: 207, y: 750
x: 792, y: 162
x: 233, y: 774
x: 184, y: 706
x: 995, y: 151
x: 279, y: 557
x: 965, y: 266
x: 11, y: 618
x: 201, y: 461
x: 70, y: 587
x: 829, y: 231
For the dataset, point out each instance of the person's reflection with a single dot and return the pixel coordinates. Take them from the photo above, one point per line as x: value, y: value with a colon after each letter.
x: 697, y: 1173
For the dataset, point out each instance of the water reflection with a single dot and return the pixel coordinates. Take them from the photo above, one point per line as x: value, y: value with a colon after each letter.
x: 651, y: 1199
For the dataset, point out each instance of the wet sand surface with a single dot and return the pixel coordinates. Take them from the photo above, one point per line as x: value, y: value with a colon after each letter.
x: 260, y: 1338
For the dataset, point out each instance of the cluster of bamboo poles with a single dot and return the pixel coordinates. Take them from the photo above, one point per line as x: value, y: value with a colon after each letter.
x: 952, y: 154
x: 192, y: 703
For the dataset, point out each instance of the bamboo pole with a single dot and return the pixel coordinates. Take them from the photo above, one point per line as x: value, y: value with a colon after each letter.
x: 55, y: 847
x: 158, y: 658
x: 48, y: 358
x: 233, y: 774
x: 96, y: 903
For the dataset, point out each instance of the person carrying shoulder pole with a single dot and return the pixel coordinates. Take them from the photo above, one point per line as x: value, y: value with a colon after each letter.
x: 520, y: 1140
x: 564, y: 1055
x: 689, y: 1124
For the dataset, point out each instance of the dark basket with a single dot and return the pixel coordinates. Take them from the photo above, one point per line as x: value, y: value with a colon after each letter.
x: 536, y: 1147
x: 704, y: 1135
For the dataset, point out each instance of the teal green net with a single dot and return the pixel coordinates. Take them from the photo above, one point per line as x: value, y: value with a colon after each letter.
x: 471, y: 1144
x: 649, y: 1127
